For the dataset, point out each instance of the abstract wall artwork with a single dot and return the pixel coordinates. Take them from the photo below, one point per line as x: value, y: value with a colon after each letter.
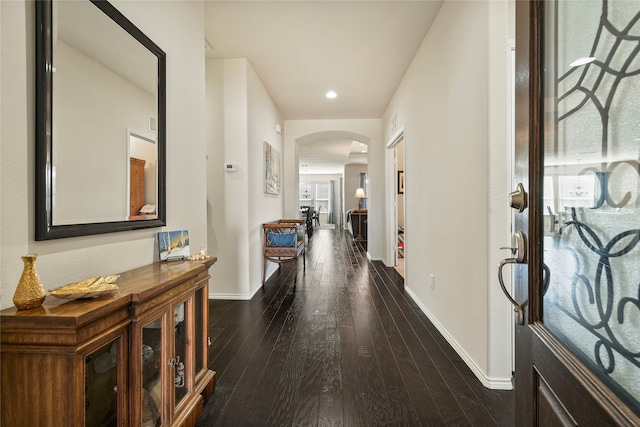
x: 271, y: 169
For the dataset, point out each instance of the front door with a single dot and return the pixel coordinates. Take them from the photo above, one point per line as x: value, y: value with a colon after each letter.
x: 577, y: 272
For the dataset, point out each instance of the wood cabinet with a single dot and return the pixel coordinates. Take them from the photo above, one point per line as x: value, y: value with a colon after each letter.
x: 357, y: 220
x: 138, y: 358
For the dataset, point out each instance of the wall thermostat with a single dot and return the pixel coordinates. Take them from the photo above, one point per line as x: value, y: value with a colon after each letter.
x: 230, y: 167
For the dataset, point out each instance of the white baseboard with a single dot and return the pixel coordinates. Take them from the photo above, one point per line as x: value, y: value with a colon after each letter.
x: 239, y: 297
x: 490, y: 383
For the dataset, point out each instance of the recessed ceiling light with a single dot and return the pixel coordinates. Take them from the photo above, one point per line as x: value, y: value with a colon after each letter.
x: 331, y: 94
x: 582, y: 61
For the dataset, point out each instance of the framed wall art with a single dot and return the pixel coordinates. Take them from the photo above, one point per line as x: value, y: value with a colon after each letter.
x: 173, y: 245
x: 271, y: 169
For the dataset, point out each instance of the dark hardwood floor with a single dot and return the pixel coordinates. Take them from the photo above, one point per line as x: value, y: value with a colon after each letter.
x: 339, y: 345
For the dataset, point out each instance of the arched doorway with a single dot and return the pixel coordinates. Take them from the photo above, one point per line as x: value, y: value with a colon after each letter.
x: 330, y: 166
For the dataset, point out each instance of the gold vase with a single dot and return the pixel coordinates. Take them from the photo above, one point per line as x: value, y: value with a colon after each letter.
x: 30, y: 292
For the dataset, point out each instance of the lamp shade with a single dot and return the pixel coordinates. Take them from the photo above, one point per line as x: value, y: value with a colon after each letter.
x: 360, y: 194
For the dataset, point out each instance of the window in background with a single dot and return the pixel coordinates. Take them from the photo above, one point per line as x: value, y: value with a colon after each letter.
x: 306, y: 194
x: 322, y: 196
x: 549, y: 194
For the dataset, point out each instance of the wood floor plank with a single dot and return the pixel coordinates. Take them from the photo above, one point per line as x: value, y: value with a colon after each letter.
x: 437, y: 368
x: 307, y: 403
x: 419, y: 390
x: 290, y: 357
x: 363, y: 369
x: 288, y: 382
x: 270, y: 392
x: 339, y: 344
x: 428, y: 391
x: 456, y: 379
x: 238, y: 355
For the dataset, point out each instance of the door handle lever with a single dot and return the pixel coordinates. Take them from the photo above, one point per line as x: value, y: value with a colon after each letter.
x: 519, y: 252
x: 513, y: 250
x: 517, y: 307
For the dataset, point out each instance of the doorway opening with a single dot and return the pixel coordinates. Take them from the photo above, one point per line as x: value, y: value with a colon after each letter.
x: 398, y: 232
x: 331, y: 165
x: 142, y: 174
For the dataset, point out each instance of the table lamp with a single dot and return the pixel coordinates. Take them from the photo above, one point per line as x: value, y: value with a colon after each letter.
x: 360, y: 195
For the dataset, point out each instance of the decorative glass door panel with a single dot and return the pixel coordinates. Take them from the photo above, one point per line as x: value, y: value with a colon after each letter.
x: 153, y: 343
x: 591, y: 295
x: 101, y: 384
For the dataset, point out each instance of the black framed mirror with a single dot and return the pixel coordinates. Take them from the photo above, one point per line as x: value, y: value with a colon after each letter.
x: 100, y: 122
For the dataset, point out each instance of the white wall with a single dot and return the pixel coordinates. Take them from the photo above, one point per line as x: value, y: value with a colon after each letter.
x: 452, y: 106
x: 91, y: 154
x: 241, y: 117
x: 219, y: 234
x: 363, y: 130
x: 178, y: 28
x: 500, y: 321
x: 263, y: 116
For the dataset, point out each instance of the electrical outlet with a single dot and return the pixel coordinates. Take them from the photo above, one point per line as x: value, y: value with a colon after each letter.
x: 432, y: 281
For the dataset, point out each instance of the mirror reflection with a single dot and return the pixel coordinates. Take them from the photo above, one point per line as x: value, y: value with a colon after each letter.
x: 104, y: 101
x: 100, y: 122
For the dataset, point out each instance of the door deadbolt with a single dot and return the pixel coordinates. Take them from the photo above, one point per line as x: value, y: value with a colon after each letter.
x: 518, y: 198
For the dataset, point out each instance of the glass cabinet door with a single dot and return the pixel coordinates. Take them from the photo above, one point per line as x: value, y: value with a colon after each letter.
x: 153, y: 342
x: 102, y: 406
x: 199, y: 320
x: 182, y: 357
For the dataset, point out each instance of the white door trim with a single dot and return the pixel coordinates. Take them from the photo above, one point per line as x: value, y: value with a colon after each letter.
x: 511, y: 184
x: 392, y: 207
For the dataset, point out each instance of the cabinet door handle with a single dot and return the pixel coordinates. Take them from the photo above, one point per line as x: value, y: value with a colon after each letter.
x: 173, y: 362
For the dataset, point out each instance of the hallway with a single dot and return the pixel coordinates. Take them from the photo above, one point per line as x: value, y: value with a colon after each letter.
x: 343, y: 347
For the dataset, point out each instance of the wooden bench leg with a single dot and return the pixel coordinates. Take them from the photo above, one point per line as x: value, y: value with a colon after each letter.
x: 264, y: 270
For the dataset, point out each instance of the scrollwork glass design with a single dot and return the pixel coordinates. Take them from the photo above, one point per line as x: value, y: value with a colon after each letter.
x: 591, y: 167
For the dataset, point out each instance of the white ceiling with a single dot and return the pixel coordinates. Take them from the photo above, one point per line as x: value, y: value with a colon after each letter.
x: 302, y: 49
x: 328, y: 155
x: 85, y: 28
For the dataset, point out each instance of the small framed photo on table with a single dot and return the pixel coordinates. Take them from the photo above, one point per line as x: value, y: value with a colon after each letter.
x: 173, y: 245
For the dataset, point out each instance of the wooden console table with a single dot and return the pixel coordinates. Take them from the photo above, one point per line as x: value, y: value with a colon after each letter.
x: 136, y: 358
